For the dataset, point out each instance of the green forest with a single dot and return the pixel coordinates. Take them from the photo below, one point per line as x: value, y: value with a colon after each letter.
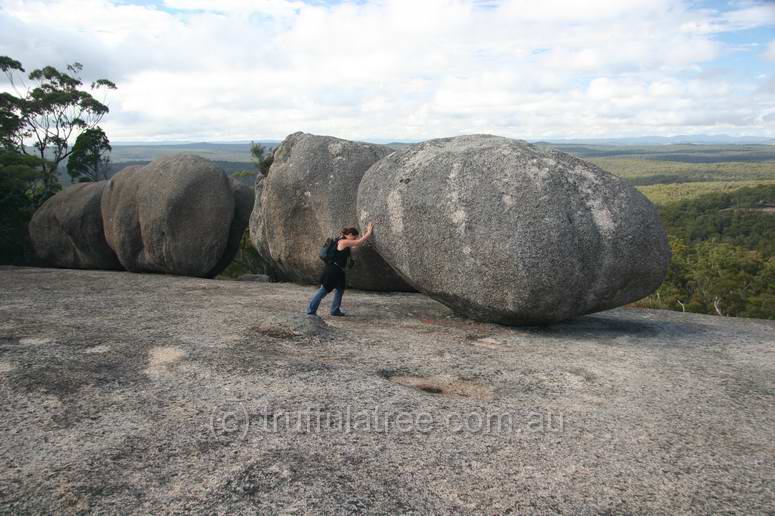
x: 720, y: 219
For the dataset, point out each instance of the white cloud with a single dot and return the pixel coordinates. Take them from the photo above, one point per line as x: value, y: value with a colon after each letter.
x: 770, y: 52
x: 749, y: 15
x: 267, y: 7
x: 396, y: 69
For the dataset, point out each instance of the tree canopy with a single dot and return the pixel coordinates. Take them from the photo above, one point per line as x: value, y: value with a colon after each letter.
x: 38, y: 119
x: 20, y: 195
x: 90, y: 158
x: 50, y: 111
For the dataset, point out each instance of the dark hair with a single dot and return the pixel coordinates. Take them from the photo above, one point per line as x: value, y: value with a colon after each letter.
x: 349, y: 231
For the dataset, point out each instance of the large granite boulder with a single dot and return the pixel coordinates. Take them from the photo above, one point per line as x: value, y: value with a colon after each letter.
x: 308, y: 195
x: 66, y: 231
x: 502, y: 231
x: 180, y: 214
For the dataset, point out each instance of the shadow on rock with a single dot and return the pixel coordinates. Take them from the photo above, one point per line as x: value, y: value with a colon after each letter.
x: 601, y: 328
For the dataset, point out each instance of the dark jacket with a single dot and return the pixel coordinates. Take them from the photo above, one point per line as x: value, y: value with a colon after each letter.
x: 333, y: 275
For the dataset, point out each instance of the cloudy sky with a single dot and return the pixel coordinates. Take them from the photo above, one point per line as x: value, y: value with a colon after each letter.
x: 231, y: 70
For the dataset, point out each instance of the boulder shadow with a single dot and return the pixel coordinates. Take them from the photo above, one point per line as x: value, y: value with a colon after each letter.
x: 602, y: 328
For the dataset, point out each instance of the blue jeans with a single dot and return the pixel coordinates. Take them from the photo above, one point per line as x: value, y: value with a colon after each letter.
x: 318, y: 297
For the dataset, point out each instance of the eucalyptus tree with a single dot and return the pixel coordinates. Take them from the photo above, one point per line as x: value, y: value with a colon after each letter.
x: 46, y: 111
x: 90, y: 158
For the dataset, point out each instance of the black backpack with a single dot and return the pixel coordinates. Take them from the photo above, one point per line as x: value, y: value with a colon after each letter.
x: 328, y: 251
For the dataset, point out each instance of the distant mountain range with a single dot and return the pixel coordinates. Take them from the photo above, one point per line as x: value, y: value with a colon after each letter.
x: 698, y: 139
x: 231, y: 151
x: 235, y: 156
x: 183, y: 144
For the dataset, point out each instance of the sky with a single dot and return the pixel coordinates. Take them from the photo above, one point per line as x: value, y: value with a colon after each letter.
x: 409, y: 70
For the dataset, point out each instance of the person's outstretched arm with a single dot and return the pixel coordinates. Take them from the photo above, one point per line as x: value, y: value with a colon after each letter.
x: 344, y: 243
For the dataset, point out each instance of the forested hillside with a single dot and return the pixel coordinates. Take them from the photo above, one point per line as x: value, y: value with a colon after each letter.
x: 720, y: 217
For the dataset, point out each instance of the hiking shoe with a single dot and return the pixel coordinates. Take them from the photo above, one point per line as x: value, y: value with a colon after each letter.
x: 338, y: 313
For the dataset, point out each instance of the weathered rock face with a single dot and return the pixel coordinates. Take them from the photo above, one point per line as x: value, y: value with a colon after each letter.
x: 308, y: 196
x: 119, y: 215
x: 66, y: 231
x: 258, y: 238
x: 635, y: 397
x: 179, y: 215
x: 502, y: 231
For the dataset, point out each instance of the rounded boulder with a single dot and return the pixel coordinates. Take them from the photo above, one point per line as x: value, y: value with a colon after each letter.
x: 66, y: 231
x: 503, y: 231
x: 308, y: 195
x: 173, y: 216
